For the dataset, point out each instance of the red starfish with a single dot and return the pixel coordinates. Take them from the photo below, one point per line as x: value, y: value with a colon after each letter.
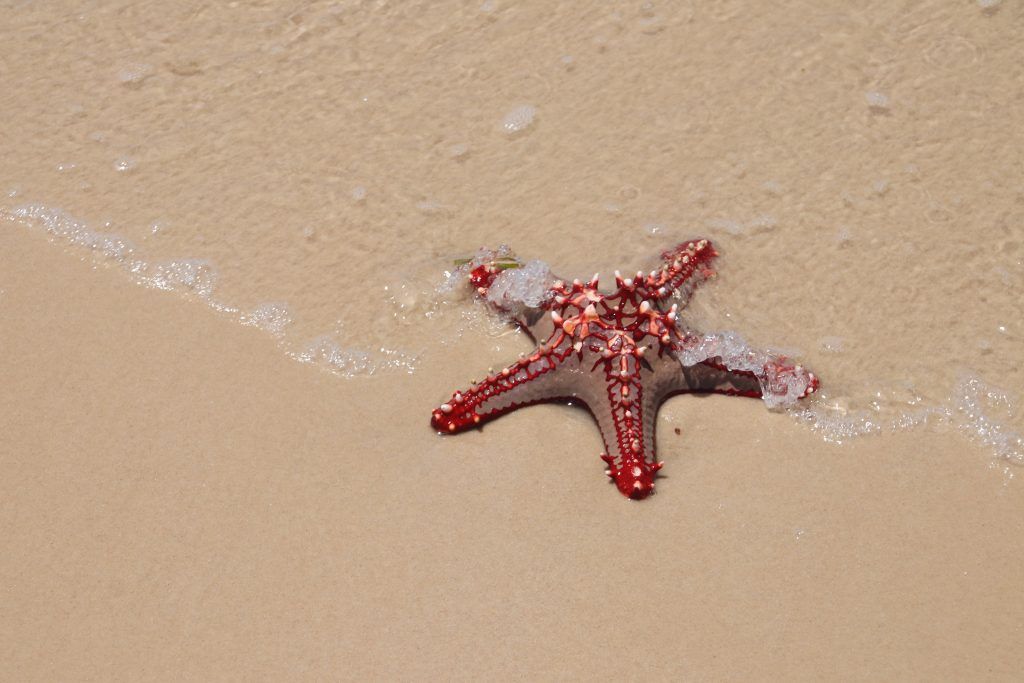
x: 620, y: 354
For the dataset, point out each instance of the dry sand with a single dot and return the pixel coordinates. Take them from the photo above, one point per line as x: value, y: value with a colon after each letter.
x: 181, y: 499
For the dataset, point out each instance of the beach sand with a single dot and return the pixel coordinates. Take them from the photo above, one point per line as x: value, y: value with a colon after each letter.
x: 182, y: 499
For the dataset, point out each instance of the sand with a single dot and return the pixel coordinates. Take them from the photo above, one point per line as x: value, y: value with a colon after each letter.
x: 183, y: 499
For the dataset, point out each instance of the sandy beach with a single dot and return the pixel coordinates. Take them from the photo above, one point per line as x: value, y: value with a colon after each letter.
x: 224, y: 234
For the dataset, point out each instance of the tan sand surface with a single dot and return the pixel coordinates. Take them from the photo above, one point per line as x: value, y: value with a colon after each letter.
x: 182, y: 500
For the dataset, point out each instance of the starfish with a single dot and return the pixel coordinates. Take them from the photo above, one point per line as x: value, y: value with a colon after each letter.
x: 621, y: 354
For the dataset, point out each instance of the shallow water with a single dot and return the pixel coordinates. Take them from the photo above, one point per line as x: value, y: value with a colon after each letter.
x: 314, y: 170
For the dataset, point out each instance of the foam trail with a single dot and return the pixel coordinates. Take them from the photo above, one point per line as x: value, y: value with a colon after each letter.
x: 198, y: 278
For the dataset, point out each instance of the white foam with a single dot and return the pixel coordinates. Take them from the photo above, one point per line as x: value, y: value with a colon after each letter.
x: 132, y: 75
x: 779, y: 388
x: 831, y: 344
x: 198, y: 278
x: 269, y: 317
x: 982, y: 413
x: 516, y: 288
x: 430, y: 207
x: 459, y: 150
x: 877, y: 101
x: 519, y: 119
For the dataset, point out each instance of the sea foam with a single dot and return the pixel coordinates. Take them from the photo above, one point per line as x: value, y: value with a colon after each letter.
x: 197, y: 278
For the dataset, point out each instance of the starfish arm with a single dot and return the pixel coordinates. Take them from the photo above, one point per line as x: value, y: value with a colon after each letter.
x: 625, y: 412
x: 730, y: 367
x: 532, y: 379
x: 684, y: 267
x: 709, y: 377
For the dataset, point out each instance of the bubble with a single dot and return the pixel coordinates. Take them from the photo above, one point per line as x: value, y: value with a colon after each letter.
x: 877, y: 101
x: 132, y: 75
x: 269, y: 317
x: 831, y: 344
x: 430, y: 207
x: 981, y: 412
x: 358, y: 194
x: 458, y: 151
x: 526, y: 286
x: 124, y: 164
x: 518, y: 119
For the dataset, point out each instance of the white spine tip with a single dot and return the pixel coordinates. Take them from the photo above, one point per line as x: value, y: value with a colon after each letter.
x: 446, y: 408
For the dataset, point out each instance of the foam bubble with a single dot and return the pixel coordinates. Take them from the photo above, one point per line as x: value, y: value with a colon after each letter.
x: 132, y: 75
x: 877, y: 101
x: 458, y: 150
x: 831, y: 344
x: 780, y: 386
x: 519, y: 119
x: 982, y: 413
x: 526, y: 286
x: 349, y: 362
x: 269, y: 317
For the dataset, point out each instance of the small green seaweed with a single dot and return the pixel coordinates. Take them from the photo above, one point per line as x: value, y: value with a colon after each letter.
x: 501, y: 263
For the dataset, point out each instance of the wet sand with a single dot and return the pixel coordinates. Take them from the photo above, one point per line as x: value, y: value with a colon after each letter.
x: 182, y: 499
